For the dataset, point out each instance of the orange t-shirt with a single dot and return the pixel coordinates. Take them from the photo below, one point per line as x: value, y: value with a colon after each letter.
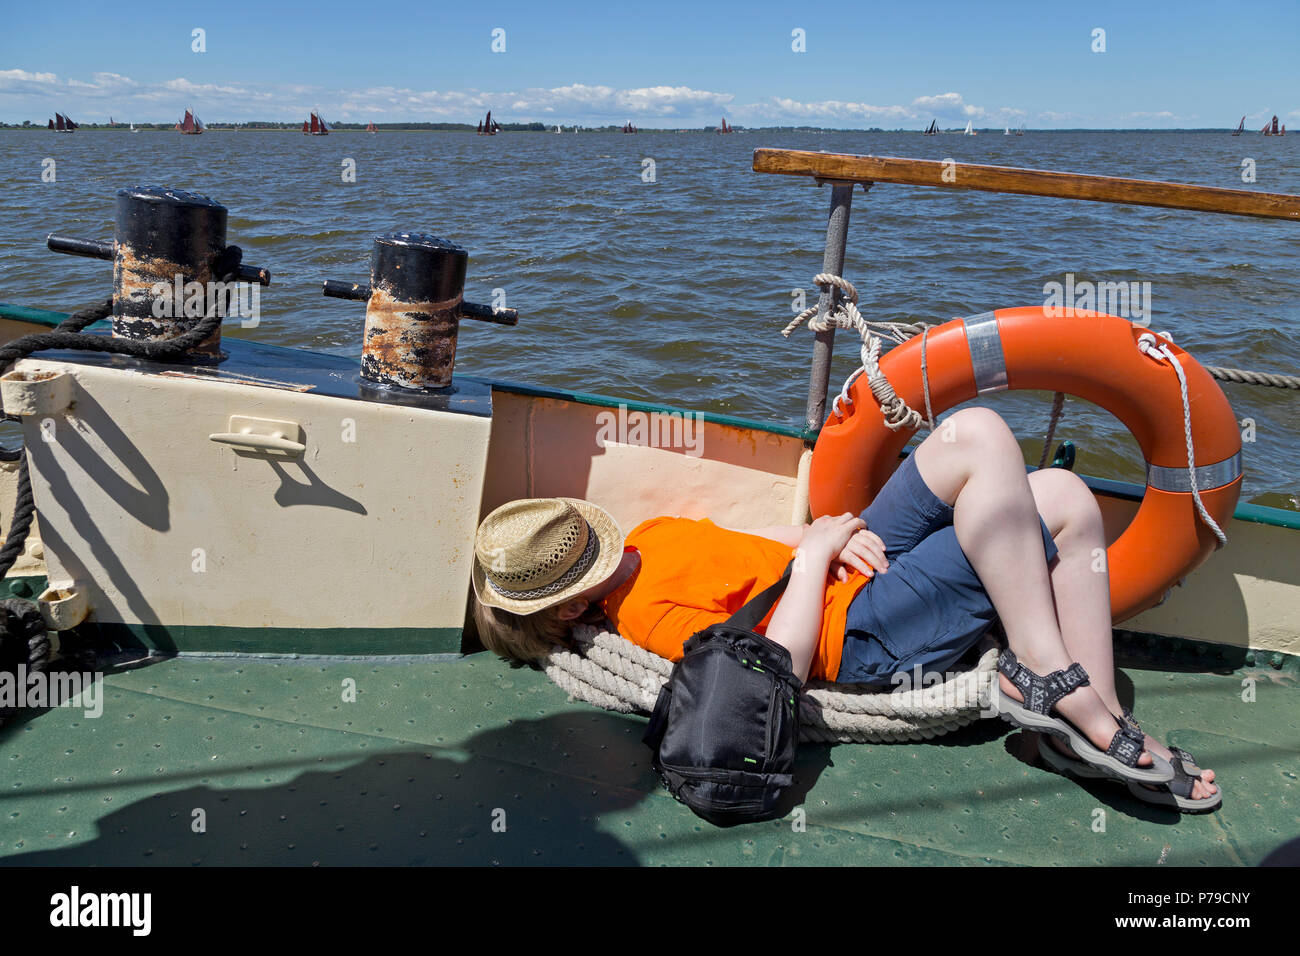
x: 694, y: 574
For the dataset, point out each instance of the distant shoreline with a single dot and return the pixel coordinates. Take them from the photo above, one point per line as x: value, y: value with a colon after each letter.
x: 533, y: 128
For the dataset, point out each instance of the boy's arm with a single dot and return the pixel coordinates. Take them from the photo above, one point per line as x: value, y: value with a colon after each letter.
x: 797, y: 621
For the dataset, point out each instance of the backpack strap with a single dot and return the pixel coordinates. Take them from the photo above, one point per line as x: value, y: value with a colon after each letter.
x: 658, y: 725
x: 749, y: 616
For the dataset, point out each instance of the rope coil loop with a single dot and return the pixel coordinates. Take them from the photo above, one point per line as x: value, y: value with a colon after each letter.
x: 609, y: 671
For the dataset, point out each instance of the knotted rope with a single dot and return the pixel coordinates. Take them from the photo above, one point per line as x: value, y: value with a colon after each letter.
x: 613, y: 673
x: 844, y: 314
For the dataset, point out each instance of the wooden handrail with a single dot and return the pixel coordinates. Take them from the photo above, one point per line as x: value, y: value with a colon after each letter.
x: 844, y: 167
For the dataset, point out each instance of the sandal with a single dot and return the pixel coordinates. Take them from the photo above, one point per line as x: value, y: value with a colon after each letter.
x: 1177, y: 793
x: 1034, y: 713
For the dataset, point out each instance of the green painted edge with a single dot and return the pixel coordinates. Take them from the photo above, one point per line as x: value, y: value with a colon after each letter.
x: 284, y: 641
x: 1257, y: 514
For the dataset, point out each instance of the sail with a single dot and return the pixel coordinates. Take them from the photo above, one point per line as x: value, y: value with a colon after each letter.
x: 305, y: 128
x: 1241, y: 127
x: 1274, y: 124
x: 323, y: 128
x: 58, y: 121
x: 315, y: 123
x: 198, y: 125
x: 187, y: 124
x: 969, y: 130
x: 71, y: 125
x: 51, y: 124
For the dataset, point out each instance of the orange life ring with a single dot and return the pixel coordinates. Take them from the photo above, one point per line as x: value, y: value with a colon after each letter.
x: 1090, y: 355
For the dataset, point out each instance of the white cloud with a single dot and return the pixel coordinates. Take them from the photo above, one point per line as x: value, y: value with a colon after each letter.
x: 28, y: 95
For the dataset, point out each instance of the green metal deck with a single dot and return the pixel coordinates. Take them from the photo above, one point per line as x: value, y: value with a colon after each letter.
x: 470, y: 761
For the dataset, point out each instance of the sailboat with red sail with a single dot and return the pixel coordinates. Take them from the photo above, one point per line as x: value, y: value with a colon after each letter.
x: 488, y: 126
x: 724, y: 128
x: 370, y: 127
x: 191, y: 125
x: 1241, y: 127
x: 62, y: 124
x: 1271, y: 129
x: 315, y: 126
x: 629, y: 128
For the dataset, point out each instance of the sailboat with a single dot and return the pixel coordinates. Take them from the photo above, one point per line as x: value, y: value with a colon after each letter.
x: 1271, y: 129
x: 932, y: 129
x: 724, y: 128
x: 1241, y: 127
x: 370, y: 127
x: 1006, y: 131
x: 628, y: 127
x: 315, y: 126
x: 489, y: 126
x: 133, y: 129
x: 191, y: 125
x: 969, y: 131
x: 1021, y: 130
x: 62, y: 124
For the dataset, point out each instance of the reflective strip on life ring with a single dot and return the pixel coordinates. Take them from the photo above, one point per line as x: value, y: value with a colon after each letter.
x: 1089, y: 355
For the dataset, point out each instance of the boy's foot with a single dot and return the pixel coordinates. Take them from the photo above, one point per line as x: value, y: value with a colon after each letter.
x: 1203, y: 787
x: 1083, y: 708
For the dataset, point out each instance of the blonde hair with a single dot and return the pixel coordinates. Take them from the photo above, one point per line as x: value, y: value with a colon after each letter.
x: 526, y: 638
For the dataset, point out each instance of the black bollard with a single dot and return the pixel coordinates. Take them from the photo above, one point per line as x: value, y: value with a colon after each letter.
x: 413, y: 310
x: 165, y: 249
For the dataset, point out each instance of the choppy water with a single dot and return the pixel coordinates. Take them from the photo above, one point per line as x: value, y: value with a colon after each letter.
x: 676, y: 291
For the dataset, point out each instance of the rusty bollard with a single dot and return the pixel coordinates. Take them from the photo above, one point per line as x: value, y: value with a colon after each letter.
x: 414, y: 305
x: 165, y: 250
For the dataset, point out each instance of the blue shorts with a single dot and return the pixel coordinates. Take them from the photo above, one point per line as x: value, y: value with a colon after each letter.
x: 929, y: 607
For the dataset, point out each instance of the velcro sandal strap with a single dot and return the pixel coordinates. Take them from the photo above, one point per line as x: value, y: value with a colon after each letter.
x: 1041, y: 693
x: 1185, y: 763
x: 1064, y: 682
x: 1127, y: 745
x: 1131, y: 720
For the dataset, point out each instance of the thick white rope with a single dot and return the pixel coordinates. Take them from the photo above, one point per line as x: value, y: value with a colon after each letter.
x: 613, y: 673
x: 1149, y: 346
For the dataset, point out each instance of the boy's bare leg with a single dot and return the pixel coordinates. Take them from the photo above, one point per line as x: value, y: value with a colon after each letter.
x: 973, y: 463
x: 1081, y: 588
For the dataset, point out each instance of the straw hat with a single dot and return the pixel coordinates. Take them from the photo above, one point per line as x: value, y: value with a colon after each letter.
x: 538, y: 552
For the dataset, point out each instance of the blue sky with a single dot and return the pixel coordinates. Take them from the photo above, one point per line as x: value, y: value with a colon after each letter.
x: 659, y: 64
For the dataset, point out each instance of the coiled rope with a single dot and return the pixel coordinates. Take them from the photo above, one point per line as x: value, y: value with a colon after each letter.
x: 611, y: 672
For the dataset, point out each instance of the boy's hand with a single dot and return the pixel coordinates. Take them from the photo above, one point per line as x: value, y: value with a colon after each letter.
x: 828, y: 537
x: 864, y: 552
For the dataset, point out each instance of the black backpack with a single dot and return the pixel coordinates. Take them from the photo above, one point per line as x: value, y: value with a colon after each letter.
x: 726, y: 725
